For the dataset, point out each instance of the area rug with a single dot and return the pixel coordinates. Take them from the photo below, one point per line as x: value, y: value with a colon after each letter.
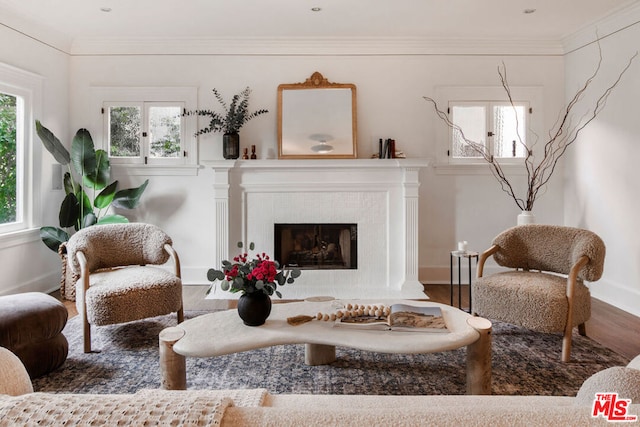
x: 524, y: 363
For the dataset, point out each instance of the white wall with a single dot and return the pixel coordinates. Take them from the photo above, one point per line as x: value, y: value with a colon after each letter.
x: 390, y: 104
x: 601, y: 181
x: 27, y: 265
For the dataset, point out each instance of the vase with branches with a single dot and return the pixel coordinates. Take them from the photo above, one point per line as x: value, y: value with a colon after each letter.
x: 235, y: 115
x: 540, y: 164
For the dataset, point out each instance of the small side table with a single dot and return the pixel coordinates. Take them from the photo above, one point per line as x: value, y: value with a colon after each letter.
x: 458, y: 256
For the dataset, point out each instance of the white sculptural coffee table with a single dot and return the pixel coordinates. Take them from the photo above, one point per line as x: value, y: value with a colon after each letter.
x: 223, y: 332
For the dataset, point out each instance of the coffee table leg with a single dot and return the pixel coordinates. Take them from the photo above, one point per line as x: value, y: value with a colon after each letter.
x: 173, y: 369
x: 479, y: 358
x: 319, y: 354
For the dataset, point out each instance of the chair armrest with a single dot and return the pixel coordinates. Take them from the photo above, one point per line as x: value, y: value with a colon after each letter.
x: 176, y: 260
x: 84, y: 271
x: 573, y: 275
x: 483, y: 258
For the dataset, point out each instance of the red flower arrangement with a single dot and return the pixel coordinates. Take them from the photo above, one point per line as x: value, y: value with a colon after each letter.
x: 246, y: 275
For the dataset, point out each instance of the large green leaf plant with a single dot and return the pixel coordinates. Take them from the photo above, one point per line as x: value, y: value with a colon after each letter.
x: 89, y: 197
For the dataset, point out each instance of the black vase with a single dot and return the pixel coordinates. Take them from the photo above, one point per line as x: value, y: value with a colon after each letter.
x: 231, y: 145
x: 254, y: 308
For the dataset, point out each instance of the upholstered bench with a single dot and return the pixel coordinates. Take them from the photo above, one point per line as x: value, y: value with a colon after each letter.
x: 31, y: 327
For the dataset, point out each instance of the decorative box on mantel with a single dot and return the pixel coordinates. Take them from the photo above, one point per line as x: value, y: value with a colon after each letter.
x: 379, y: 196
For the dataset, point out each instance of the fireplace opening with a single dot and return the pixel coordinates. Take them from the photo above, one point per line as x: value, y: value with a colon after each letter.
x: 317, y: 246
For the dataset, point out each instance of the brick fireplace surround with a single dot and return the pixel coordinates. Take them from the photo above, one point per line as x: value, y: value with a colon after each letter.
x: 381, y: 196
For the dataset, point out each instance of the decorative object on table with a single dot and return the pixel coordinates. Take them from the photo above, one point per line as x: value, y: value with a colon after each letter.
x: 89, y: 185
x: 253, y: 152
x: 257, y: 278
x: 564, y: 133
x: 245, y: 154
x: 395, y: 317
x: 235, y: 115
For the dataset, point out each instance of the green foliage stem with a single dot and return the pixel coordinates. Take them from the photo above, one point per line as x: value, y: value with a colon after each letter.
x: 236, y: 114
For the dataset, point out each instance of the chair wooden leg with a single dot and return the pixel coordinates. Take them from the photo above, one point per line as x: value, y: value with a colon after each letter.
x: 86, y: 335
x: 566, y: 346
x: 582, y: 329
x: 181, y: 315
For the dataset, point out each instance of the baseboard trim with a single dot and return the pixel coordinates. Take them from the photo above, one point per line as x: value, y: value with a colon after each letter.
x: 617, y: 295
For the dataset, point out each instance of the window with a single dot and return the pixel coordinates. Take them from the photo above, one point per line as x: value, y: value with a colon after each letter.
x: 487, y: 117
x: 145, y: 132
x: 498, y: 128
x: 10, y: 168
x: 19, y: 192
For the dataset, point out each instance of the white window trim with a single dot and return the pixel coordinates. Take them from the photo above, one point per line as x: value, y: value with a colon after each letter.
x: 188, y: 95
x: 445, y: 94
x: 27, y: 86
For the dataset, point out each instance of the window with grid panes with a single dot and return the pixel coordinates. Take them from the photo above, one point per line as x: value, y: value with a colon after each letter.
x: 498, y: 128
x: 145, y: 132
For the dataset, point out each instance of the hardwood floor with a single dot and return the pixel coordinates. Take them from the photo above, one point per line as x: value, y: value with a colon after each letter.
x: 614, y: 328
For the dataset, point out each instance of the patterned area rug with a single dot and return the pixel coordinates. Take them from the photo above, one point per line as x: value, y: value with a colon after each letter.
x: 524, y: 363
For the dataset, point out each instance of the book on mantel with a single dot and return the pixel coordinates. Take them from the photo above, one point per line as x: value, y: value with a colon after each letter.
x: 401, y: 317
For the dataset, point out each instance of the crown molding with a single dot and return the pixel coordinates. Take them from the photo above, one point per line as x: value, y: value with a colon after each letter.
x: 617, y: 20
x: 300, y: 46
x: 37, y: 32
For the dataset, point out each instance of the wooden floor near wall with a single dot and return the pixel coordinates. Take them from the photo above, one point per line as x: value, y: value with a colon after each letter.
x: 610, y: 326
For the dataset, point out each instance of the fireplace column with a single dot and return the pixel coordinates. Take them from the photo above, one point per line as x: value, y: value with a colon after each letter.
x: 411, y: 184
x: 221, y: 188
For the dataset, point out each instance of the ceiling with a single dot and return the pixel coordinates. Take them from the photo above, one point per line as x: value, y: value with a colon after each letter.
x: 431, y: 19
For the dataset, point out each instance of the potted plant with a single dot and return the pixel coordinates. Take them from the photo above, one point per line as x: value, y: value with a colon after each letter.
x: 257, y: 278
x: 89, y: 195
x: 235, y: 115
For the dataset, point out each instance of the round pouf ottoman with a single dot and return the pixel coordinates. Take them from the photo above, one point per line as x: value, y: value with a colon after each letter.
x: 31, y: 326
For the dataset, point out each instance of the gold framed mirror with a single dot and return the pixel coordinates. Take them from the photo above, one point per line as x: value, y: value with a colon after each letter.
x: 317, y: 120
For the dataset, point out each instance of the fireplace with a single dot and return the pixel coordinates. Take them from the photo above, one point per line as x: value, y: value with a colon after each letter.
x: 316, y: 246
x: 374, y: 201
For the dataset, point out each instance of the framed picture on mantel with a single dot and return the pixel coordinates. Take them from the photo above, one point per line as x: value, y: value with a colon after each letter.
x: 317, y: 120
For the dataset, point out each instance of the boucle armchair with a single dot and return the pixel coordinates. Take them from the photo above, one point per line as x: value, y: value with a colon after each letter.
x: 120, y: 275
x: 545, y: 291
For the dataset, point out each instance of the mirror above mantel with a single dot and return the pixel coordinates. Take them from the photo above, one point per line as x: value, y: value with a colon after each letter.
x: 317, y: 120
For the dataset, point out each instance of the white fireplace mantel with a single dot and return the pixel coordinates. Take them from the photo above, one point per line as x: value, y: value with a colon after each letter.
x: 381, y: 196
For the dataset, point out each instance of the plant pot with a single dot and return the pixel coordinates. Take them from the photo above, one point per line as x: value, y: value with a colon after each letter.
x: 254, y: 308
x: 526, y: 217
x: 231, y: 145
x: 69, y: 278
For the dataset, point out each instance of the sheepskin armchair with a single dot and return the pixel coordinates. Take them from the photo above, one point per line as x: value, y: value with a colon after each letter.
x: 120, y: 275
x: 545, y: 291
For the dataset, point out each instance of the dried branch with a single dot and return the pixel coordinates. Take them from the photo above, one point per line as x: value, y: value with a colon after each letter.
x: 567, y: 130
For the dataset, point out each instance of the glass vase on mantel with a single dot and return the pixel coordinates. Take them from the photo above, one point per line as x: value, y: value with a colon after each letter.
x: 526, y: 217
x: 231, y: 145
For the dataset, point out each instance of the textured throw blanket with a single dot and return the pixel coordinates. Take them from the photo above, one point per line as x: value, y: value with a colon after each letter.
x: 147, y: 407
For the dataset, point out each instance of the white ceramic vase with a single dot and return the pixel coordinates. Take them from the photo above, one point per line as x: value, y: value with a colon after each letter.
x: 526, y: 217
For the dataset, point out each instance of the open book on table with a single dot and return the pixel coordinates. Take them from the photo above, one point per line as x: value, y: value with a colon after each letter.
x: 402, y: 317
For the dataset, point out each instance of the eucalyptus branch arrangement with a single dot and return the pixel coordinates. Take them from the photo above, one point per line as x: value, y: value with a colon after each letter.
x: 235, y: 114
x: 540, y: 164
